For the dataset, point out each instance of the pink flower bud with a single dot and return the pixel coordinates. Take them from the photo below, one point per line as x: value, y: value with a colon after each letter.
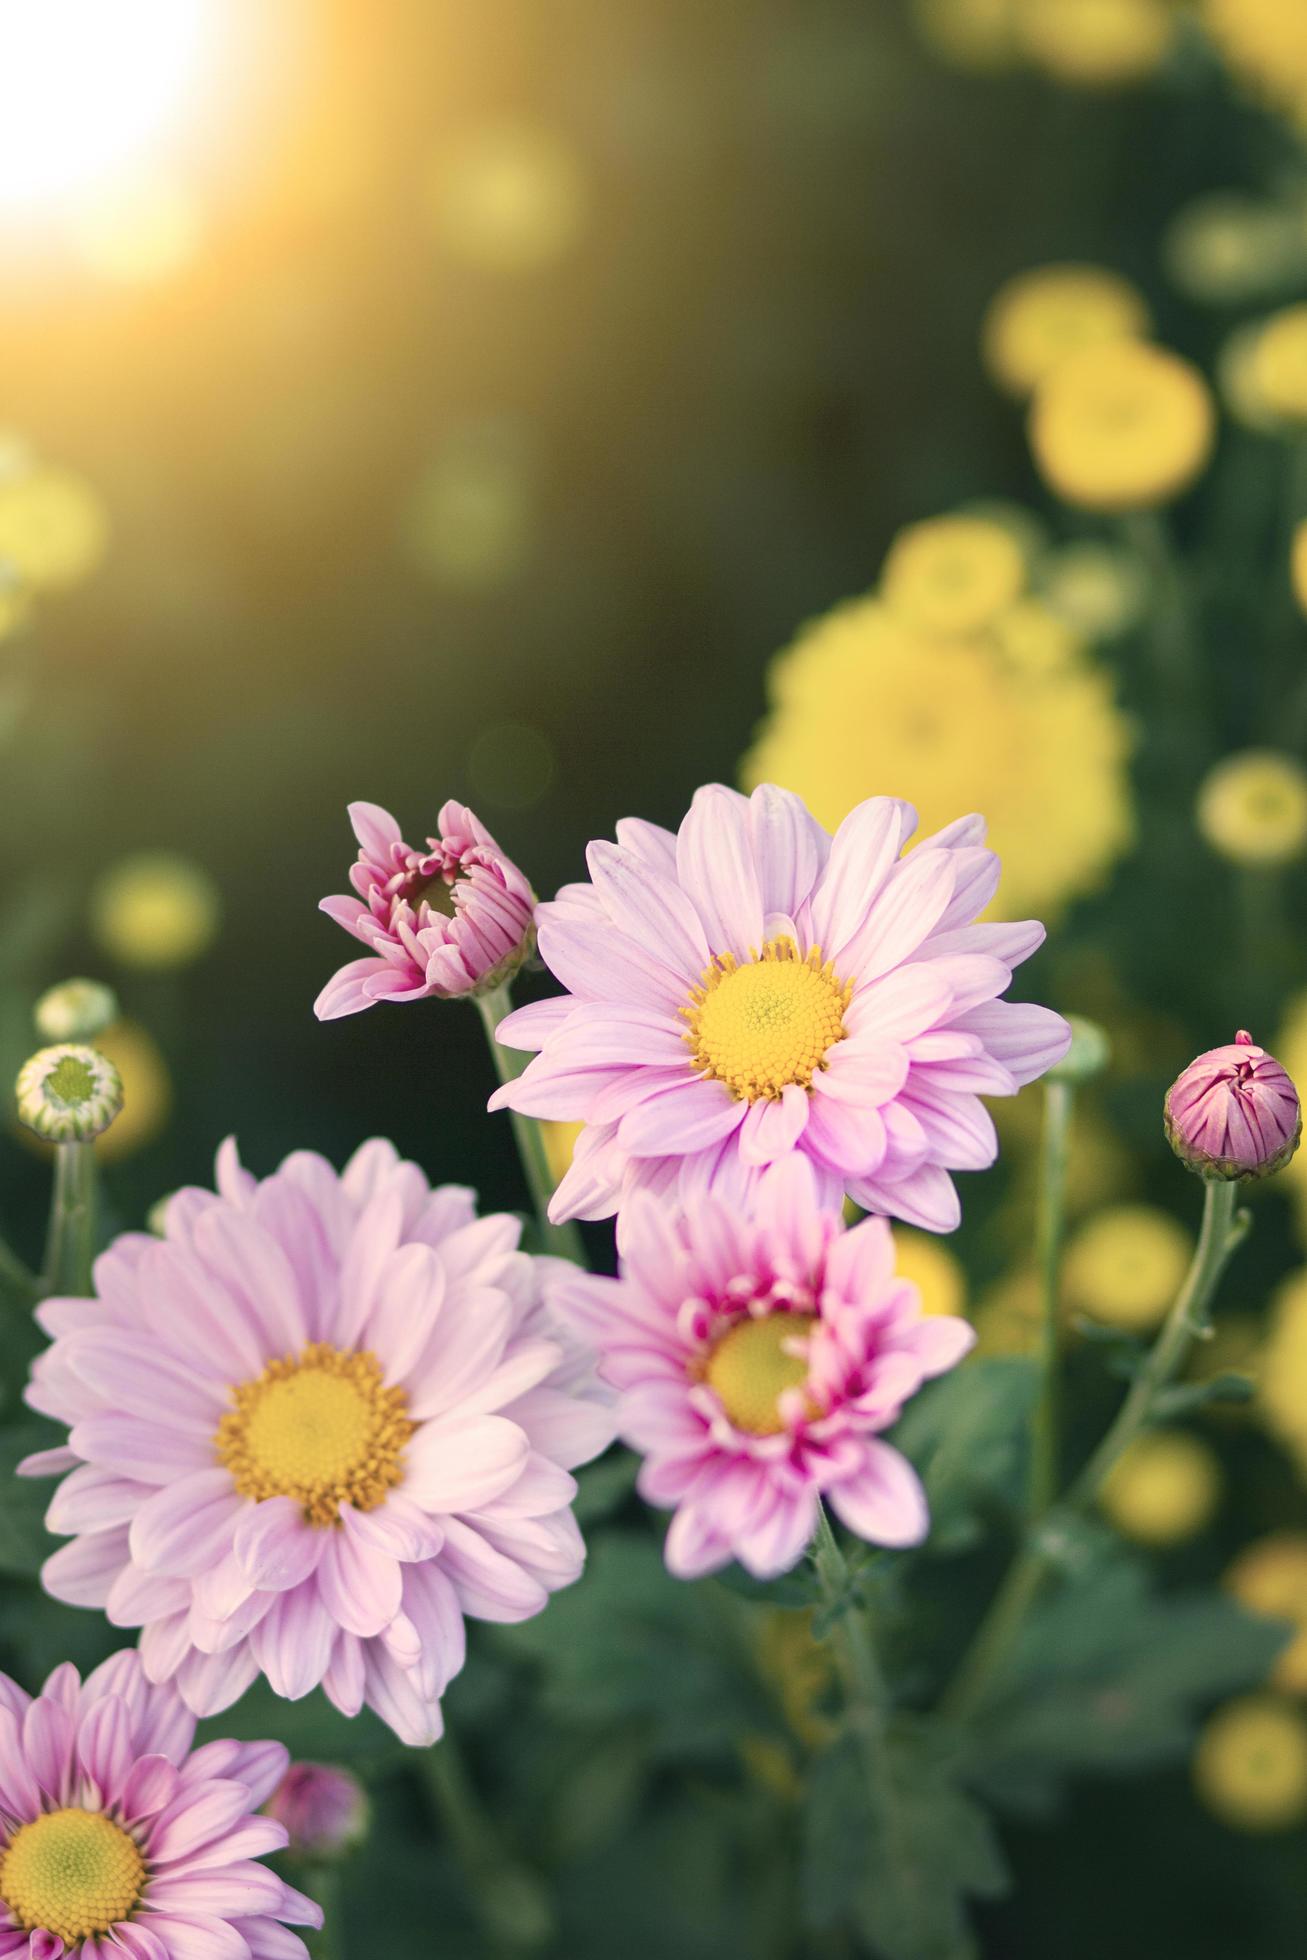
x: 325, y: 1810
x: 1233, y: 1113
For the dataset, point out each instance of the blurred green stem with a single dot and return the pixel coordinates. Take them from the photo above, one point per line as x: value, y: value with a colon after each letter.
x: 1174, y: 652
x: 14, y: 1276
x: 1059, y: 1099
x: 322, y: 1883
x: 511, y: 1901
x: 563, y: 1240
x: 70, y: 1247
x: 1223, y: 1230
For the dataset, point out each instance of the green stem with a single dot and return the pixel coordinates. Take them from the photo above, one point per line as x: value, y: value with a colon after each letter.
x: 322, y: 1883
x: 1147, y: 535
x: 1054, y: 1147
x: 864, y: 1685
x: 563, y: 1240
x: 14, y: 1275
x: 1223, y: 1229
x: 70, y: 1247
x: 511, y: 1901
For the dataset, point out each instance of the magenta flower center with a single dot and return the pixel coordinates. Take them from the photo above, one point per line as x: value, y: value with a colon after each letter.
x: 761, y: 1025
x: 74, y: 1873
x: 755, y: 1363
x: 322, y: 1429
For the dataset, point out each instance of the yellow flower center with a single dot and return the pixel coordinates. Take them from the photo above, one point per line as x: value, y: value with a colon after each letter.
x: 73, y: 1872
x: 758, y: 1027
x: 322, y: 1429
x: 754, y: 1363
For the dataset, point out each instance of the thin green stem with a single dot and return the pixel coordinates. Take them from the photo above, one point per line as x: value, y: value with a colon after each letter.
x: 70, y: 1246
x: 15, y: 1276
x: 1059, y: 1097
x: 564, y: 1240
x: 322, y: 1883
x: 1174, y: 654
x: 1223, y: 1229
x: 864, y: 1684
x: 510, y: 1900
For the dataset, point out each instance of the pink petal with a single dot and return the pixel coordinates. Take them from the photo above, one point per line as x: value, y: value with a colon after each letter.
x: 884, y: 1502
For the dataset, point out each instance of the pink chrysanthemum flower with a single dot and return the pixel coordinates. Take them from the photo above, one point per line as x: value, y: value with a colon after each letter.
x: 749, y: 988
x: 755, y: 1361
x: 313, y: 1426
x: 120, y: 1842
x: 452, y: 919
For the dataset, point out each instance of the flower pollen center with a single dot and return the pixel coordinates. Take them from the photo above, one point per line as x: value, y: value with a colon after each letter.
x: 322, y: 1429
x: 73, y: 1873
x: 754, y: 1363
x: 763, y: 1024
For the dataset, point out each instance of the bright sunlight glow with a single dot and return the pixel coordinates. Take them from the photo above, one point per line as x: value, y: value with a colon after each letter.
x: 88, y: 86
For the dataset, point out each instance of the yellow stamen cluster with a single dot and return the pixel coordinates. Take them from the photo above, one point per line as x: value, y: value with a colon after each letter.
x: 761, y: 1024
x: 74, y: 1873
x: 754, y: 1363
x: 321, y: 1428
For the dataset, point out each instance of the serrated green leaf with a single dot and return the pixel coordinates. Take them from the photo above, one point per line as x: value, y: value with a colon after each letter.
x: 895, y: 1846
x: 968, y: 1436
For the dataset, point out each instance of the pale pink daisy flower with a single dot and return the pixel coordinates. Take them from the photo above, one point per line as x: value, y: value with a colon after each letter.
x: 118, y: 1841
x: 310, y: 1428
x: 751, y: 988
x: 755, y: 1361
x: 451, y: 919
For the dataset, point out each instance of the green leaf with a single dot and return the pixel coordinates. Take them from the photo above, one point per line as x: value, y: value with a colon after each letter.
x: 968, y: 1436
x: 1112, y: 1675
x: 1185, y: 1397
x: 25, y: 1543
x: 894, y: 1846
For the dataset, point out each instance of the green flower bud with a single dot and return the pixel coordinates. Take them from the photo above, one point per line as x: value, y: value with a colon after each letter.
x: 68, y: 1093
x: 76, y: 1010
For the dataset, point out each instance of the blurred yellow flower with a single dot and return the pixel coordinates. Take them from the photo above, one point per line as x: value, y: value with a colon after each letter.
x: 1282, y: 1383
x: 974, y: 34
x: 1122, y: 426
x: 1009, y: 1315
x: 1291, y: 1050
x: 510, y: 197
x: 1264, y: 42
x: 1270, y: 1577
x: 1039, y: 317
x: 1250, y: 1767
x: 925, y: 1260
x: 53, y: 527
x: 1097, y: 589
x: 952, y: 575
x: 1252, y: 807
x: 1163, y: 1489
x: 139, y: 233
x: 559, y: 1141
x: 147, y: 1090
x: 1298, y: 565
x: 1237, y: 379
x: 1279, y: 365
x: 863, y: 704
x: 156, y: 909
x: 1098, y: 43
x: 15, y: 600
x: 798, y: 1670
x: 1034, y: 640
x: 1125, y: 1266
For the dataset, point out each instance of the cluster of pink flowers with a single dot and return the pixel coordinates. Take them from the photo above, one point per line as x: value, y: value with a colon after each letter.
x: 324, y: 1418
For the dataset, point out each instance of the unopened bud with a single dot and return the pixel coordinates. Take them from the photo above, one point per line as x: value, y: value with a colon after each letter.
x: 68, y: 1093
x: 76, y: 1010
x: 1233, y: 1113
x: 325, y: 1810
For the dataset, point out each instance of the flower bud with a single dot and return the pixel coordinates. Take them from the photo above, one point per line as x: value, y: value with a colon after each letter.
x: 1233, y: 1113
x: 76, y: 1010
x: 1088, y: 1055
x: 68, y: 1093
x: 325, y: 1810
